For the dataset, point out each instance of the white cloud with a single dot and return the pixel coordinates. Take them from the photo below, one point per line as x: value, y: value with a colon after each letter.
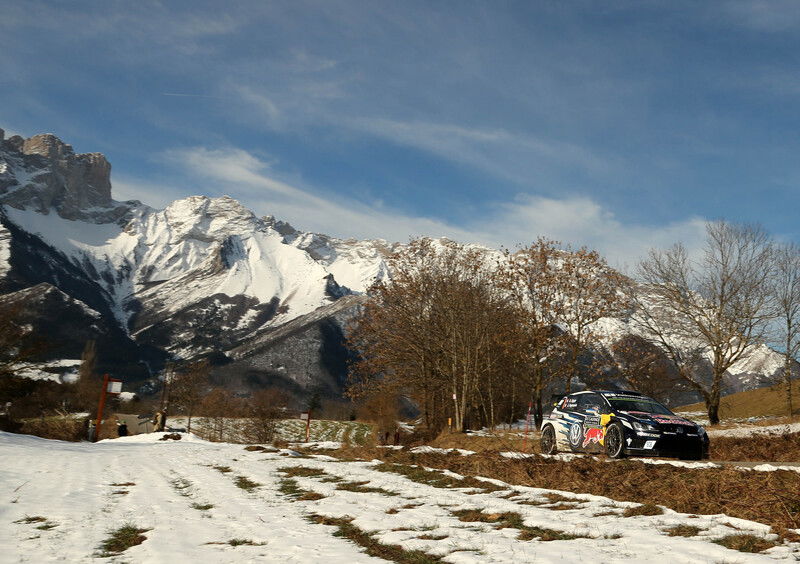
x: 582, y: 221
x: 496, y: 150
x: 771, y: 16
x: 572, y: 220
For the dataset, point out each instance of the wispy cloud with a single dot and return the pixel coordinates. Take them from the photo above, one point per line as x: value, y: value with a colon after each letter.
x: 575, y: 220
x: 495, y: 150
x: 771, y: 16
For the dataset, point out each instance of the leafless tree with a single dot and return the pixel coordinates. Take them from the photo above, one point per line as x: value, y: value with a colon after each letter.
x: 17, y: 345
x: 716, y: 307
x: 220, y: 408
x: 786, y: 288
x: 435, y: 333
x: 645, y: 367
x: 187, y: 388
x: 589, y: 290
x: 262, y: 412
x: 531, y: 276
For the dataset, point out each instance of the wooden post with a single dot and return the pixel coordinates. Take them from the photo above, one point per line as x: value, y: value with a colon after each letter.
x: 308, y: 427
x: 100, y: 407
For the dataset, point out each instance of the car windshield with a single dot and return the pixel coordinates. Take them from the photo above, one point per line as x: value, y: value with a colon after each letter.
x: 644, y: 405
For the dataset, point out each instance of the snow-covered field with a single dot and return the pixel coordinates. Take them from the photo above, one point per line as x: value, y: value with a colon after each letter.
x: 185, y: 493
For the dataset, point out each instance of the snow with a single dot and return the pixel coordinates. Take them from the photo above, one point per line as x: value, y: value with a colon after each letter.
x: 85, y: 490
x: 5, y: 250
x: 64, y: 370
x: 751, y: 431
x: 425, y: 449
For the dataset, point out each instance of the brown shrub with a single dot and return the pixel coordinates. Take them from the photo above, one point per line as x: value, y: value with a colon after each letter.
x: 58, y: 426
x: 745, y: 543
x: 644, y: 509
x: 683, y: 531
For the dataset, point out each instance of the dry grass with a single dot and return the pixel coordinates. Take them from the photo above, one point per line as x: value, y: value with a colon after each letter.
x: 480, y: 443
x: 202, y: 506
x: 513, y: 520
x: 289, y: 487
x: 393, y: 553
x: 772, y: 498
x: 303, y: 471
x: 754, y: 403
x: 646, y: 509
x: 122, y: 539
x: 246, y: 483
x: 683, y: 531
x: 437, y: 479
x: 27, y: 520
x: 361, y: 487
x: 432, y: 537
x: 774, y: 447
x: 745, y: 543
x: 60, y: 427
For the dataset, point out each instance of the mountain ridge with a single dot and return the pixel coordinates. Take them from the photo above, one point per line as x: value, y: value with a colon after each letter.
x: 203, y: 276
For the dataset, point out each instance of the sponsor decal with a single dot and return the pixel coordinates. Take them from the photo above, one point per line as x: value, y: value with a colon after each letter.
x: 593, y: 435
x: 649, y: 444
x: 672, y: 420
x: 575, y: 434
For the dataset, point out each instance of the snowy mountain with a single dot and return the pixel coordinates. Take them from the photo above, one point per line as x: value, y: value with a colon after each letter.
x: 202, y: 276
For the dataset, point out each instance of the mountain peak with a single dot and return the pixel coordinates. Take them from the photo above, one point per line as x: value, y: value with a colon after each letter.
x: 44, y: 173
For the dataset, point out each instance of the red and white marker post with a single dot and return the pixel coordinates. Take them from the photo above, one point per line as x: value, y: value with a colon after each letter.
x: 110, y: 386
x: 306, y: 416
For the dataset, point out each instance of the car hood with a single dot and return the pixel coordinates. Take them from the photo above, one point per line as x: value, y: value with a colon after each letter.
x: 659, y: 418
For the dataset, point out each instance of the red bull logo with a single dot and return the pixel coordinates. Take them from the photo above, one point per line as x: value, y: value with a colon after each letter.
x: 594, y: 435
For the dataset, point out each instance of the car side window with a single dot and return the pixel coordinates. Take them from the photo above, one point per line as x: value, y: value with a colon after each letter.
x: 569, y: 403
x: 588, y: 402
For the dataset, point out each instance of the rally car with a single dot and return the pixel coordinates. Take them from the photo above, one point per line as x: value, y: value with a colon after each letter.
x: 620, y: 423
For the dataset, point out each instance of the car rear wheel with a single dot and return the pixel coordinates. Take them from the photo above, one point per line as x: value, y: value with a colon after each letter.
x: 615, y: 441
x: 548, y: 440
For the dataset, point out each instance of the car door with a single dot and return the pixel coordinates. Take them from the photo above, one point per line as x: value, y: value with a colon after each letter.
x: 591, y: 408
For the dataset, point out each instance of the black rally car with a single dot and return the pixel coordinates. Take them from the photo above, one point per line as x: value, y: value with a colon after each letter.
x: 620, y: 423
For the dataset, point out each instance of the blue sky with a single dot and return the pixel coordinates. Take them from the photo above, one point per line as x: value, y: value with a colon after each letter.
x: 618, y: 125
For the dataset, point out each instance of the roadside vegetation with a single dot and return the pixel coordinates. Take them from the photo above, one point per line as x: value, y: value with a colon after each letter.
x: 772, y: 498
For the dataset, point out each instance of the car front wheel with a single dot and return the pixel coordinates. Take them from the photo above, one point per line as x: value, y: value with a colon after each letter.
x: 615, y: 441
x: 548, y: 440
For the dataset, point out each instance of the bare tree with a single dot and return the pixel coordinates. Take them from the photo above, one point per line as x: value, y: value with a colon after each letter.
x: 18, y: 346
x: 263, y: 411
x: 187, y: 388
x: 589, y: 290
x: 644, y: 366
x: 219, y: 408
x: 786, y: 287
x: 716, y: 307
x: 531, y: 277
x: 88, y: 387
x: 435, y: 333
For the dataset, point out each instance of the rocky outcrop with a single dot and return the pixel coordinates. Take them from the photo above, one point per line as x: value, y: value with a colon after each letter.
x: 51, y: 176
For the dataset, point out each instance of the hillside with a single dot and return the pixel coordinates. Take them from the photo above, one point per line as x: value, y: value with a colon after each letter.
x: 761, y: 402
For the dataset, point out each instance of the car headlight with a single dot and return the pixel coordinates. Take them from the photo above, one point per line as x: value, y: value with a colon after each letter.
x: 644, y: 426
x: 700, y: 430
